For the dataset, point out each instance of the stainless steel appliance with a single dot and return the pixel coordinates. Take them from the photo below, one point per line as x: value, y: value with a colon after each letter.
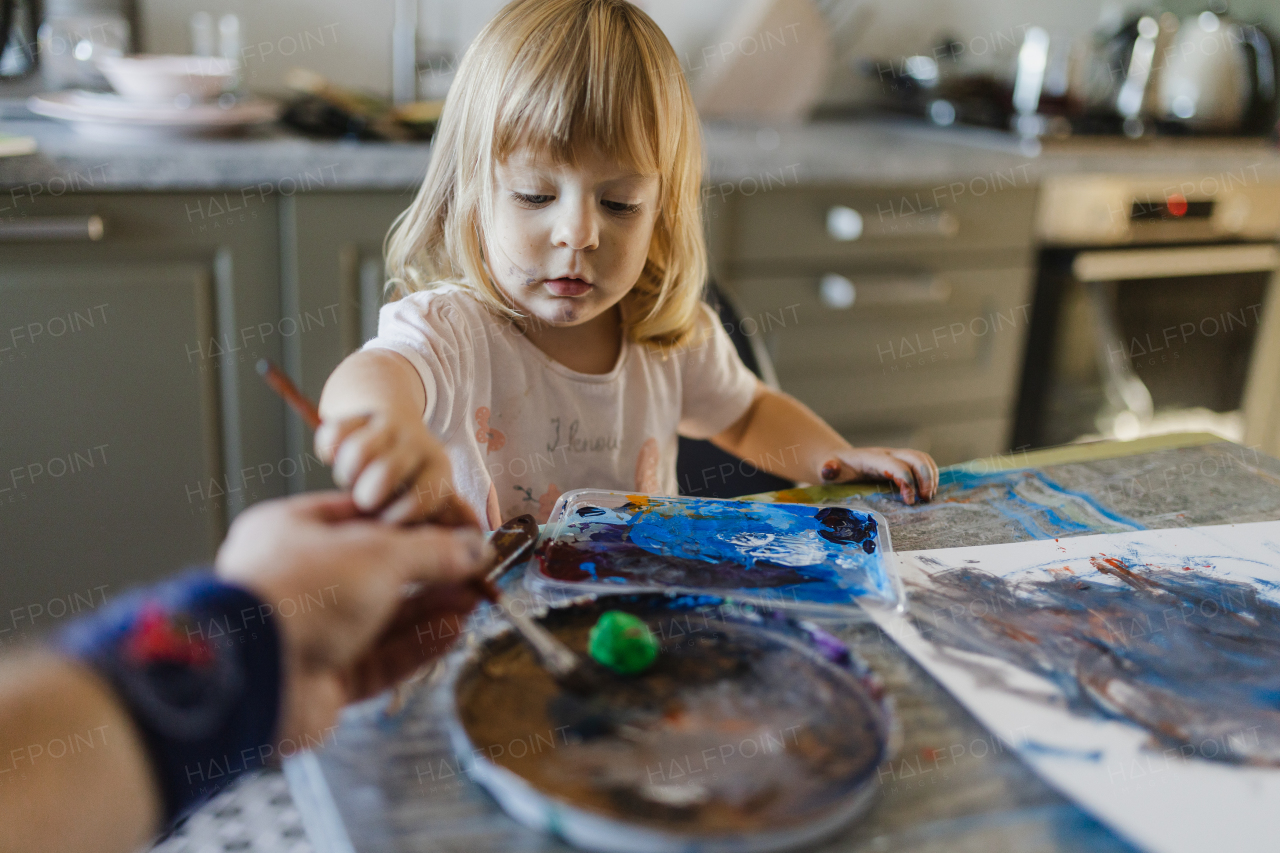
x: 1156, y: 308
x: 1219, y: 75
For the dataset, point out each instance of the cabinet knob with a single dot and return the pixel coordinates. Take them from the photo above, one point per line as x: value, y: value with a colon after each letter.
x: 837, y: 292
x: 844, y: 223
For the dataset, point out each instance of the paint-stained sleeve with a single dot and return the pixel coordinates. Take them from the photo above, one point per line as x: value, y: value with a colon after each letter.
x: 716, y: 387
x: 431, y: 330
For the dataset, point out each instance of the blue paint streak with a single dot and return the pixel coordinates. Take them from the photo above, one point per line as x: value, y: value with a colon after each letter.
x: 1037, y: 520
x: 747, y: 534
x: 1036, y: 748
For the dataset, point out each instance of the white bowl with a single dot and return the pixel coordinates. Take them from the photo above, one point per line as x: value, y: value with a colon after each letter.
x: 165, y: 78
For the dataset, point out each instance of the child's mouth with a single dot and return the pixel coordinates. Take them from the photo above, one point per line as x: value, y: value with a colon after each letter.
x: 567, y: 286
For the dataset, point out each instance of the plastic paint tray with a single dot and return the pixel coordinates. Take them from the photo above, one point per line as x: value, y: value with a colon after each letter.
x: 819, y: 561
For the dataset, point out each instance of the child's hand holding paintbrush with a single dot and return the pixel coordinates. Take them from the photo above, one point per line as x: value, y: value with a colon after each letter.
x: 394, y: 468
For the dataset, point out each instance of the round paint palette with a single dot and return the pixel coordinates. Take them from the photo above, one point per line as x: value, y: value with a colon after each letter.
x: 751, y: 732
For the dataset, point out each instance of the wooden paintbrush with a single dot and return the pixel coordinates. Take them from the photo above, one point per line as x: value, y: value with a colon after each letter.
x: 283, y: 385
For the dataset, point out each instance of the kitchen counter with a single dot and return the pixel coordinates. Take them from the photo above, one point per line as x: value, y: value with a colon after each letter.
x: 745, y: 159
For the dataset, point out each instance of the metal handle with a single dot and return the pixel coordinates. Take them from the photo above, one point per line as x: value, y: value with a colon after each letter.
x: 942, y: 224
x: 838, y: 292
x: 845, y: 224
x: 1173, y: 263
x: 36, y: 228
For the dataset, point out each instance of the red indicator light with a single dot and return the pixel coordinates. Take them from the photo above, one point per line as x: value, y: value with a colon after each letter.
x: 1177, y: 205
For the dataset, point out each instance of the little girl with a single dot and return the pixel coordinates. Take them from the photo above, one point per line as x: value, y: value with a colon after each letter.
x: 548, y: 331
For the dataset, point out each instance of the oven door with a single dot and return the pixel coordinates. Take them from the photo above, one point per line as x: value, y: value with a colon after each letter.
x: 1140, y: 341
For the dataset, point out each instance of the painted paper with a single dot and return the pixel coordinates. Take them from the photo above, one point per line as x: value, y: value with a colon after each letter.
x: 1137, y: 672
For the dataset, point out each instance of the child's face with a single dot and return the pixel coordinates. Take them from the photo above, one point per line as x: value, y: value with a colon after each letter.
x: 569, y: 241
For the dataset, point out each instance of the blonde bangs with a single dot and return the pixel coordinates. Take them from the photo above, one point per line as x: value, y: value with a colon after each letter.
x: 560, y: 78
x: 591, y: 90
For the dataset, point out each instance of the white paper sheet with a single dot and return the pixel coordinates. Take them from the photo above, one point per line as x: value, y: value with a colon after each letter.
x: 1153, y: 796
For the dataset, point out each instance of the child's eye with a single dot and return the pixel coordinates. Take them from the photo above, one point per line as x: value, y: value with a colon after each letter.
x: 621, y: 207
x: 531, y: 201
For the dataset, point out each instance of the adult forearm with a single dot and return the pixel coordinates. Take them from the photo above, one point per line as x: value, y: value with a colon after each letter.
x: 74, y: 775
x: 371, y: 381
x: 782, y: 436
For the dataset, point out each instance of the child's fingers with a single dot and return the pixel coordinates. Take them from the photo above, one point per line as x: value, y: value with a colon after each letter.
x: 924, y: 469
x: 359, y: 450
x: 381, y: 480
x: 333, y: 432
x: 876, y: 464
x: 431, y: 497
x: 902, y: 476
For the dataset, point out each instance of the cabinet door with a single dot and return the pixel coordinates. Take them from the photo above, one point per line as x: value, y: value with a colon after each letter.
x: 134, y: 425
x: 111, y: 437
x: 332, y: 289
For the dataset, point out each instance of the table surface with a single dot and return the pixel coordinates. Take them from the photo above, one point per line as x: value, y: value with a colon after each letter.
x: 391, y: 782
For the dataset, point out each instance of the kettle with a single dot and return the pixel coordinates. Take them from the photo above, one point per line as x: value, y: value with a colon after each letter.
x: 1219, y: 76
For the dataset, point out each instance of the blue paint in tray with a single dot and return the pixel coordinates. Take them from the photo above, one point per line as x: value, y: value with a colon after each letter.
x: 781, y: 553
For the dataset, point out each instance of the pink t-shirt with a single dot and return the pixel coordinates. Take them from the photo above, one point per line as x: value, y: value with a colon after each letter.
x: 521, y: 428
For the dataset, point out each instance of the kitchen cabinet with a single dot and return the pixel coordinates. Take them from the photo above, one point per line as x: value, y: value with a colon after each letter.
x: 134, y: 425
x: 898, y: 318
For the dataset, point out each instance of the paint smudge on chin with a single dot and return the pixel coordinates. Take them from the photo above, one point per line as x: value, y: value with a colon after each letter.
x: 1193, y: 659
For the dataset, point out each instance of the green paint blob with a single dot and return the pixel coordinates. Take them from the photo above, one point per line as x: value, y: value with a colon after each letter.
x: 623, y: 643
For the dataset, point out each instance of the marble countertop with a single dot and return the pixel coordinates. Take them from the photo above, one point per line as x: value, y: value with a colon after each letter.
x: 885, y: 152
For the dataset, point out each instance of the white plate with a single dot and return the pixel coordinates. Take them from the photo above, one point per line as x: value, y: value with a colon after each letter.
x: 111, y: 116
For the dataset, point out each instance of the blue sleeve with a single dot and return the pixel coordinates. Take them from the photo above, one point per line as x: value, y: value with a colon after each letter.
x: 196, y: 662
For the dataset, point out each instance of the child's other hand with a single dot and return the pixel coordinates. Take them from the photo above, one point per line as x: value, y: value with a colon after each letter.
x: 393, y: 467
x: 913, y: 472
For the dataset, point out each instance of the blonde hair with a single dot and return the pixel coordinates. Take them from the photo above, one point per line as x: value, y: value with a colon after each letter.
x: 561, y: 77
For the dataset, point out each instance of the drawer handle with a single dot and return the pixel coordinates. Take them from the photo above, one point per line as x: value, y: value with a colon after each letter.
x: 36, y: 228
x: 839, y: 293
x: 844, y: 223
x: 942, y: 224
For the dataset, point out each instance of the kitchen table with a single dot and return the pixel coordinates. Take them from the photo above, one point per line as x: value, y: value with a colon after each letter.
x: 390, y: 783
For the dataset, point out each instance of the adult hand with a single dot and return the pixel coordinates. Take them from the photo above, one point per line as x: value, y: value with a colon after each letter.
x: 338, y: 585
x: 913, y: 472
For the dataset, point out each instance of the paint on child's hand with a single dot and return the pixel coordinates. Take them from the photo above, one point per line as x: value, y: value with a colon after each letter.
x: 622, y: 642
x: 831, y: 470
x: 486, y: 435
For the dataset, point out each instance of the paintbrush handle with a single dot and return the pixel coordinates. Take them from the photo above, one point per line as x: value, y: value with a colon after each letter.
x: 558, y: 658
x: 283, y: 385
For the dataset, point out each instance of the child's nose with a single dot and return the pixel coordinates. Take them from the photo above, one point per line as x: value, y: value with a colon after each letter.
x: 577, y: 228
